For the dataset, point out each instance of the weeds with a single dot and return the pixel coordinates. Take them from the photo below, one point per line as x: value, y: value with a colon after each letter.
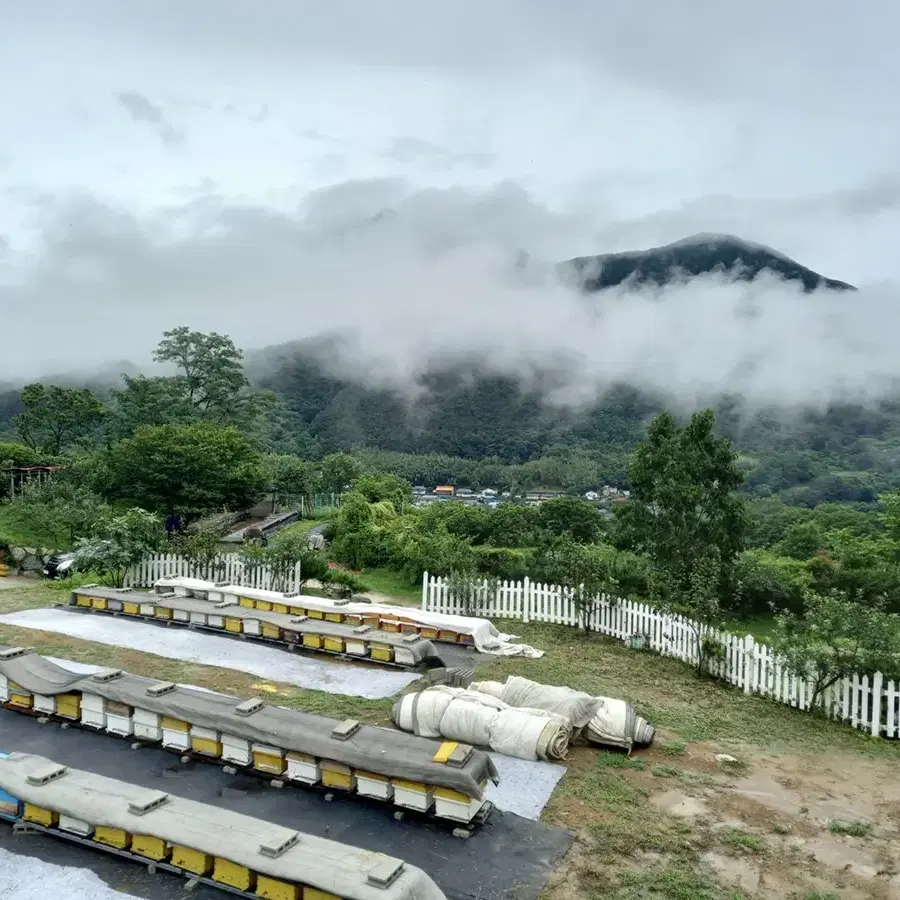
x: 851, y: 829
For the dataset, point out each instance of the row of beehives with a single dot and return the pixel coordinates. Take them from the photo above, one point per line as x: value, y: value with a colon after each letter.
x: 287, y: 625
x: 450, y: 629
x: 247, y: 856
x: 381, y: 773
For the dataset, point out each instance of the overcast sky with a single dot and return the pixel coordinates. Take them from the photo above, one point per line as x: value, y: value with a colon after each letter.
x: 223, y: 165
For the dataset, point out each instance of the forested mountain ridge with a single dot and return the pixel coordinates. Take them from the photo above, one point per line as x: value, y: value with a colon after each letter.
x: 700, y: 254
x: 470, y: 424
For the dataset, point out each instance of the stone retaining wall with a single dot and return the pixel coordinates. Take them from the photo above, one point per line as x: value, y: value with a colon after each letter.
x: 26, y: 560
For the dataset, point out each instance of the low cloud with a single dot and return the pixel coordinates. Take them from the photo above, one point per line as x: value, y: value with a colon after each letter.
x: 417, y: 276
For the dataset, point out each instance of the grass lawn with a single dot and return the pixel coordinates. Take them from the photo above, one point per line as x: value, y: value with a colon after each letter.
x: 761, y: 627
x: 393, y: 584
x: 303, y: 526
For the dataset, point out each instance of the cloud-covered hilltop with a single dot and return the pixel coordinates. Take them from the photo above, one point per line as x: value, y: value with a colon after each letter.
x: 701, y: 254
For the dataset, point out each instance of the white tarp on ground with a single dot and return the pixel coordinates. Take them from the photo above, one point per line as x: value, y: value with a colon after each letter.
x: 525, y: 787
x: 606, y: 721
x: 26, y: 878
x: 475, y: 718
x: 329, y: 676
x: 485, y: 635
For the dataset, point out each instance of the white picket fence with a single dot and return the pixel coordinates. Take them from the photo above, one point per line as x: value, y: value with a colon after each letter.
x: 226, y: 567
x: 870, y: 704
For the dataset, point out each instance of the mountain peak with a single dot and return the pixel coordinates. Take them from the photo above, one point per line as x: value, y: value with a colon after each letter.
x: 699, y: 254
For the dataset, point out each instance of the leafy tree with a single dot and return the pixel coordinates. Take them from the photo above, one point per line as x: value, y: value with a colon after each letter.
x: 119, y: 541
x: 766, y: 581
x: 210, y: 370
x: 588, y: 574
x: 684, y: 510
x: 54, y: 417
x: 282, y: 555
x: 190, y: 469
x: 313, y: 567
x: 570, y: 517
x: 201, y: 546
x: 376, y: 488
x: 59, y: 509
x: 291, y: 478
x: 149, y: 401
x: 835, y: 637
x: 337, y: 472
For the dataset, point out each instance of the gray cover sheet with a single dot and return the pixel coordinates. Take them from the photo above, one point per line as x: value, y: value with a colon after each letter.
x: 383, y: 751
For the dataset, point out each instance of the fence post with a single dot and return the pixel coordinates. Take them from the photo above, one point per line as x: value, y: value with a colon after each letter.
x: 526, y: 600
x: 875, y: 710
x: 425, y: 591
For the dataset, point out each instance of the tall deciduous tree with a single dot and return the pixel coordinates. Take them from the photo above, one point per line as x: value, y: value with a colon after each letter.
x: 190, y: 469
x: 684, y: 513
x: 53, y: 417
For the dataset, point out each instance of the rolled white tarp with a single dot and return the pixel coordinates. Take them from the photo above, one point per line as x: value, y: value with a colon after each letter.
x: 483, y: 721
x: 605, y: 721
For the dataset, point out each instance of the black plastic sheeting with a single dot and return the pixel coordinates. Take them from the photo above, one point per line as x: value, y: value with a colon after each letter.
x: 508, y: 858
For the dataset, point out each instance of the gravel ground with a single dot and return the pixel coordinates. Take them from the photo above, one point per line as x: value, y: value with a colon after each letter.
x: 275, y: 665
x: 27, y: 878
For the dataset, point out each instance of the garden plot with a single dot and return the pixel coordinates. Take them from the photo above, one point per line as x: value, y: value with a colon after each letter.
x: 332, y: 677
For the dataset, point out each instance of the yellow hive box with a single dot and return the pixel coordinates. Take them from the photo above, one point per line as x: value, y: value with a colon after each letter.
x: 429, y: 633
x: 112, y: 837
x: 233, y: 875
x: 271, y: 631
x: 149, y: 846
x: 246, y: 601
x: 68, y: 705
x: 131, y: 609
x: 297, y: 611
x: 162, y: 613
x: 191, y: 860
x: 233, y: 625
x: 390, y: 625
x: 382, y: 652
x: 280, y: 608
x: 337, y: 775
x: 174, y: 724
x: 334, y: 617
x: 316, y: 894
x: 312, y: 640
x: 447, y: 636
x: 99, y: 602
x: 316, y: 614
x: 268, y: 762
x: 264, y: 605
x: 81, y: 600
x: 40, y: 816
x: 448, y: 794
x: 18, y: 696
x: 206, y: 746
x: 334, y: 644
x: 273, y: 889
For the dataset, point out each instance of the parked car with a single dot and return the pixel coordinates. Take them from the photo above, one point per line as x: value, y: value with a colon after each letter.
x: 60, y: 566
